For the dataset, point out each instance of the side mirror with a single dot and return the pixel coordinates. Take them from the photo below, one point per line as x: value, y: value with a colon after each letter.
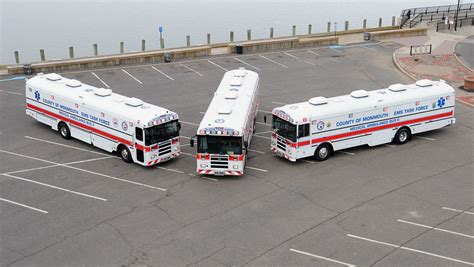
x: 179, y: 126
x: 246, y: 144
x: 265, y: 118
x: 191, y: 142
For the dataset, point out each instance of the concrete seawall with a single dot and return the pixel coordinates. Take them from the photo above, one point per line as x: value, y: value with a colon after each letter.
x: 308, y: 40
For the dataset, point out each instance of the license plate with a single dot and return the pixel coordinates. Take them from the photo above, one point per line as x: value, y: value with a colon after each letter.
x: 219, y: 173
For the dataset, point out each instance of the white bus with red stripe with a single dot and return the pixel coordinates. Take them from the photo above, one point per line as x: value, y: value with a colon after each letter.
x: 322, y: 125
x: 139, y: 132
x: 226, y: 129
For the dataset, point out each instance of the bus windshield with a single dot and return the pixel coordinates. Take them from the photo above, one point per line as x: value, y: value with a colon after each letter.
x: 284, y: 128
x: 224, y: 145
x: 162, y: 132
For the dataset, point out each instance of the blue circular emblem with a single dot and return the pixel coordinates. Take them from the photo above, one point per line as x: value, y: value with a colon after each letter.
x: 441, y: 102
x: 320, y: 125
x: 124, y: 126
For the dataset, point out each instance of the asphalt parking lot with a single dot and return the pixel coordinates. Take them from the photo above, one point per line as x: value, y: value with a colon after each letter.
x: 64, y: 202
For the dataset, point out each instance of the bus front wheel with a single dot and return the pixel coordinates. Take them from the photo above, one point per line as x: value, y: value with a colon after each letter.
x: 125, y: 154
x: 402, y: 136
x: 323, y: 152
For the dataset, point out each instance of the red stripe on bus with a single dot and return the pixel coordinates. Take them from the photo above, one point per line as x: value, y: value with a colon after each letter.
x: 97, y: 131
x: 378, y: 128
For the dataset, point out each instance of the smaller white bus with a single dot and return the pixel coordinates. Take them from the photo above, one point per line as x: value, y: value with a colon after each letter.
x: 322, y: 125
x: 137, y: 131
x: 226, y: 129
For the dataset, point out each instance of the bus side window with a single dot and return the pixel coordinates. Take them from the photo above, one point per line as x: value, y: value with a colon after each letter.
x: 138, y: 134
x: 303, y: 130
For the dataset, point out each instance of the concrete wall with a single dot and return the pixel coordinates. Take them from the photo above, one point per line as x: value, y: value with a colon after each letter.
x: 382, y: 35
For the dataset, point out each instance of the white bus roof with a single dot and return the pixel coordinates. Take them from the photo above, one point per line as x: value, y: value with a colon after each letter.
x: 231, y: 103
x: 101, y: 100
x: 361, y: 100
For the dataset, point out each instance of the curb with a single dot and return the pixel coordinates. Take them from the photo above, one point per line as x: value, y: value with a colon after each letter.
x: 397, y: 65
x: 465, y: 103
x: 458, y: 59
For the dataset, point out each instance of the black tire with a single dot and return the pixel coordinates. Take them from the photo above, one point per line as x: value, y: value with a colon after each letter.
x: 323, y: 152
x: 402, y: 136
x: 125, y: 154
x: 64, y: 131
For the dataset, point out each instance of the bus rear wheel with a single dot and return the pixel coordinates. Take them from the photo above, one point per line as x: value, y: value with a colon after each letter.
x: 323, y: 152
x: 125, y: 154
x: 402, y: 136
x: 64, y: 130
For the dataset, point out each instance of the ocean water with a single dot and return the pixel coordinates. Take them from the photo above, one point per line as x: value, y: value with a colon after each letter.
x: 28, y: 25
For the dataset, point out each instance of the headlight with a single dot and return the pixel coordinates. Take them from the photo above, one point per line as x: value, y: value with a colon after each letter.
x: 176, y: 148
x: 153, y: 156
x: 203, y: 165
x: 236, y: 166
x: 289, y: 152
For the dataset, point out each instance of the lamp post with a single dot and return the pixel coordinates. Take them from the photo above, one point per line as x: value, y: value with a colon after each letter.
x: 456, y: 18
x: 335, y: 29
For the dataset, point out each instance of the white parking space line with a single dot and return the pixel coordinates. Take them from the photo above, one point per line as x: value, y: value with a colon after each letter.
x: 100, y: 80
x: 262, y: 123
x: 8, y: 92
x: 347, y: 153
x: 264, y: 132
x: 334, y: 49
x: 369, y: 48
x: 190, y: 123
x: 209, y: 178
x: 335, y: 60
x: 217, y: 65
x: 133, y: 77
x: 256, y: 151
x: 308, y: 161
x: 184, y: 145
x: 87, y: 171
x: 54, y: 187
x: 248, y: 64
x: 278, y: 103
x: 411, y: 249
x: 256, y: 169
x: 68, y: 146
x: 264, y: 111
x: 189, y: 68
x: 170, y: 170
x: 321, y: 257
x: 461, y: 211
x: 273, y: 61
x: 202, y: 112
x: 164, y: 74
x: 185, y: 137
x: 295, y: 57
x: 312, y: 52
x: 389, y: 145
x: 262, y: 137
x: 187, y: 154
x: 56, y: 165
x: 23, y: 205
x: 425, y: 138
x: 436, y: 228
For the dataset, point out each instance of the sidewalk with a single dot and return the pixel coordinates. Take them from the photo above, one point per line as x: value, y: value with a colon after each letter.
x: 442, y: 63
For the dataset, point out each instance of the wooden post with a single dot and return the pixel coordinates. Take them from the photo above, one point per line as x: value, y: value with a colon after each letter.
x: 364, y: 24
x: 249, y: 35
x: 231, y: 36
x: 71, y: 52
x: 346, y: 25
x: 309, y: 28
x: 293, y: 30
x: 42, y: 56
x: 208, y: 38
x: 329, y: 26
x: 393, y: 20
x: 17, y: 57
x: 271, y: 32
x: 380, y: 22
x: 143, y: 44
x: 122, y: 45
x: 96, y: 50
x: 188, y: 40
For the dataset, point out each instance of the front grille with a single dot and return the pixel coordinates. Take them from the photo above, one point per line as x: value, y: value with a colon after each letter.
x: 164, y: 148
x: 281, y: 143
x: 219, y: 161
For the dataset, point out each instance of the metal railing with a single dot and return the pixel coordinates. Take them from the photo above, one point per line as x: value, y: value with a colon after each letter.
x: 462, y: 21
x: 413, y: 16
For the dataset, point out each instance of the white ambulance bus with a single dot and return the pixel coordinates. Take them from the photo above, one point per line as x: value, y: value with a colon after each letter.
x: 322, y: 125
x: 226, y: 129
x: 137, y: 131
